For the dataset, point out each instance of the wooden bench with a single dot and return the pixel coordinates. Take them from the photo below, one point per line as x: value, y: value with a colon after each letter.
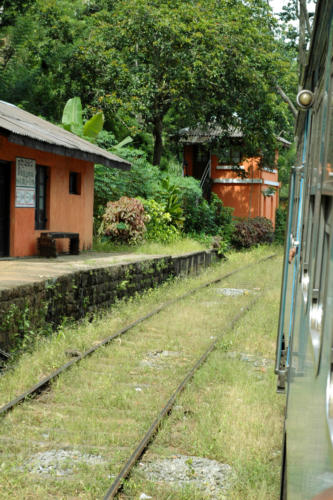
x: 47, y: 243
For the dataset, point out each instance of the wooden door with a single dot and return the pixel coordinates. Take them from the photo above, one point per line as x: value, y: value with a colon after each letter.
x: 4, y: 208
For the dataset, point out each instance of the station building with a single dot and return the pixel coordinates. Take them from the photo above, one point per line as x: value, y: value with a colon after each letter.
x: 46, y: 182
x: 239, y: 181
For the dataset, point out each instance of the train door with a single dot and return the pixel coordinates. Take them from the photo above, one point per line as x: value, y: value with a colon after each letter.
x: 290, y: 271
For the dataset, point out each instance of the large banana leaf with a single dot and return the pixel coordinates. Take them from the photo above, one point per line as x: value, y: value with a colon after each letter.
x: 93, y: 126
x: 123, y: 143
x: 72, y: 114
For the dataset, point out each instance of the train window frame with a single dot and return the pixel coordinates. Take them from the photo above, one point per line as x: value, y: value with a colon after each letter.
x: 323, y: 218
x: 319, y: 284
x: 315, y: 182
x: 312, y: 191
x: 307, y: 238
x: 328, y: 157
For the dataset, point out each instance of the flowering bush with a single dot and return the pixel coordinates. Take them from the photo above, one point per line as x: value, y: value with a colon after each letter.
x: 159, y: 225
x: 124, y: 220
x: 250, y: 232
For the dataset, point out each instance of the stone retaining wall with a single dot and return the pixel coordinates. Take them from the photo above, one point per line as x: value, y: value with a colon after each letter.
x: 45, y: 304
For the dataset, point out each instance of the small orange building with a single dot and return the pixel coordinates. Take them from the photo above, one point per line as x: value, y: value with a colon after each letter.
x: 240, y: 182
x: 46, y: 182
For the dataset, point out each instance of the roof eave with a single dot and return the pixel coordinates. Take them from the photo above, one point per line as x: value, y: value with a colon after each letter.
x: 63, y: 151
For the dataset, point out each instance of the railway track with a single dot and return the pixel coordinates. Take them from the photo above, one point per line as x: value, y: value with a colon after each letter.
x: 52, y: 406
x: 44, y: 383
x: 153, y: 429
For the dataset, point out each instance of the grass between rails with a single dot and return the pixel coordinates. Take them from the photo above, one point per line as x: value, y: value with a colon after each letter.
x: 96, y: 406
x: 230, y: 412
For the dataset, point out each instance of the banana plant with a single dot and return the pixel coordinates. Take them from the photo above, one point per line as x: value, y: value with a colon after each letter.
x: 72, y: 120
x: 170, y: 197
x: 123, y: 143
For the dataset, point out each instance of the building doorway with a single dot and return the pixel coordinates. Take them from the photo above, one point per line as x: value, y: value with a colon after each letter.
x: 201, y: 157
x: 4, y: 208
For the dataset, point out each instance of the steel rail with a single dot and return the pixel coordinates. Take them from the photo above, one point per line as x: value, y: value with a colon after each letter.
x: 45, y: 382
x: 153, y: 429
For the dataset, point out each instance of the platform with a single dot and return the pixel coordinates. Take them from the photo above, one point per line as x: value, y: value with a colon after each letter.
x: 24, y: 271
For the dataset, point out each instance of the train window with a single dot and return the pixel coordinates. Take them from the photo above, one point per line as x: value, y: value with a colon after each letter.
x: 316, y: 142
x: 308, y: 224
x: 320, y: 277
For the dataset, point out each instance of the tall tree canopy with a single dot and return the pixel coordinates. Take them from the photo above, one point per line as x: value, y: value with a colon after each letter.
x: 149, y: 60
x: 210, y: 61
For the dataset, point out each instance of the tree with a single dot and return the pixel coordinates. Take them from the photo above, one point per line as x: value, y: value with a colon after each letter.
x: 214, y: 60
x: 39, y: 67
x: 298, y: 38
x: 11, y: 9
x: 152, y: 64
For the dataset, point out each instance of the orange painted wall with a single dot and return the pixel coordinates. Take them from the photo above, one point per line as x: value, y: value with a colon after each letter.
x: 65, y: 212
x: 247, y: 199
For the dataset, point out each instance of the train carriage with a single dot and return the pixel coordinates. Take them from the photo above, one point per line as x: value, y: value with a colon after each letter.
x: 304, y: 355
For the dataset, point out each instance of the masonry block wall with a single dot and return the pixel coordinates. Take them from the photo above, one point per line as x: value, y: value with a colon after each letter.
x: 46, y: 304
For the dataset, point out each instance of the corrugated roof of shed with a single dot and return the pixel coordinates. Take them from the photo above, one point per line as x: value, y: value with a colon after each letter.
x: 203, y: 135
x: 26, y: 129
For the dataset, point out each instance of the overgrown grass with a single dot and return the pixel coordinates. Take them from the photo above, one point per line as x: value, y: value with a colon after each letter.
x: 230, y: 412
x: 49, y: 351
x: 177, y: 247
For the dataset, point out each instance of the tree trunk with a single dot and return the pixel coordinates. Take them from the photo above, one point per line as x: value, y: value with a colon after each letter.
x: 303, y: 9
x: 302, y: 40
x: 286, y: 99
x: 158, y: 143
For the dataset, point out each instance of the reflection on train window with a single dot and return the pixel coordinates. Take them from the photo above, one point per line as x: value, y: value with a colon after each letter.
x: 329, y: 157
x: 320, y: 275
x: 315, y: 160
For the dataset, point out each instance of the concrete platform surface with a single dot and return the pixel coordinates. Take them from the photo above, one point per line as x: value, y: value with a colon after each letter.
x: 24, y: 271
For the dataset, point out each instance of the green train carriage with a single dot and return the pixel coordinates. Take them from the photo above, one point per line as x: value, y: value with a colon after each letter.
x: 304, y: 354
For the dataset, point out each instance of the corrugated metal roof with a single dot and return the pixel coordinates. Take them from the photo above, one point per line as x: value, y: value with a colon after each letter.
x: 201, y: 136
x: 26, y: 129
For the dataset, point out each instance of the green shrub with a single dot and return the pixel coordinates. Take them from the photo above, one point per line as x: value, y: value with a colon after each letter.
x: 280, y: 225
x: 159, y: 225
x: 124, y: 220
x: 202, y: 217
x: 111, y: 184
x: 169, y: 195
x: 179, y: 197
x: 222, y: 217
x: 250, y: 232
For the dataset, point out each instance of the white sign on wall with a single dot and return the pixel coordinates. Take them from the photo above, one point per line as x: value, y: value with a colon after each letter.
x: 25, y: 183
x: 25, y: 197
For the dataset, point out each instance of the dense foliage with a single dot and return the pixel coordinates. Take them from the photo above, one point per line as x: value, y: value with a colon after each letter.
x: 147, y: 69
x: 124, y: 220
x: 142, y: 180
x: 250, y: 232
x: 159, y: 227
x: 280, y: 225
x: 153, y: 67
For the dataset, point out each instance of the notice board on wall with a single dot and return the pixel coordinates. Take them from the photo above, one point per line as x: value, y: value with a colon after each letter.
x: 25, y: 194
